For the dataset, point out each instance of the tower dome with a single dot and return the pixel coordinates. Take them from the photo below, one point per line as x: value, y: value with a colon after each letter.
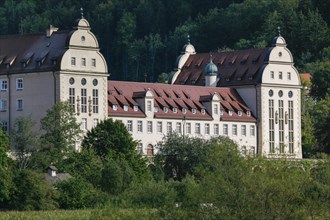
x: 278, y: 40
x: 188, y: 47
x: 211, y: 69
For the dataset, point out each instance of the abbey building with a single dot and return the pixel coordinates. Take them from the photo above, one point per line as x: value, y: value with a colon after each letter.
x: 252, y: 96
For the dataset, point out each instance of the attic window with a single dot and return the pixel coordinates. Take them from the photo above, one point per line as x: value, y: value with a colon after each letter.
x: 203, y: 111
x: 136, y: 108
x: 221, y: 112
x: 248, y: 113
x: 193, y: 111
x: 250, y: 78
x: 239, y: 113
x: 184, y: 111
x: 114, y: 107
x: 165, y: 109
x: 155, y: 109
x: 227, y: 79
x: 125, y: 108
x: 193, y: 82
x: 175, y: 110
x: 230, y: 112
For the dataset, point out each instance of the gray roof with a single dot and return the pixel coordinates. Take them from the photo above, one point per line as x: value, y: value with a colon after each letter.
x: 58, y: 178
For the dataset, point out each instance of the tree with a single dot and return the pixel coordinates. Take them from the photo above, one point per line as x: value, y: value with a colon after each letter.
x: 110, y: 139
x: 60, y: 131
x: 180, y: 155
x: 5, y: 171
x: 32, y: 192
x: 24, y: 141
x: 321, y: 80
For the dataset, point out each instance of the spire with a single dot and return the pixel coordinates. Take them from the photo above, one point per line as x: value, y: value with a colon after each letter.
x: 211, y: 57
x: 82, y: 12
x: 279, y: 31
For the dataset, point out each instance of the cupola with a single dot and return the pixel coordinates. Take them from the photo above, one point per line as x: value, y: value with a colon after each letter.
x: 278, y: 40
x: 210, y: 73
x: 188, y: 47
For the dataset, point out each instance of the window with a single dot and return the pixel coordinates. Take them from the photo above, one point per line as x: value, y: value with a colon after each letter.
x: 271, y: 126
x: 95, y: 101
x: 281, y: 125
x: 239, y: 113
x: 139, y: 126
x: 290, y: 126
x: 83, y: 100
x: 165, y: 109
x: 207, y: 129
x: 225, y: 129
x: 290, y: 94
x: 280, y: 93
x: 221, y: 112
x: 93, y: 62
x: 175, y: 110
x: 289, y: 76
x: 270, y: 93
x: 73, y: 61
x: 4, y: 126
x: 72, y: 99
x: 252, y: 130
x: 155, y: 109
x: 252, y: 151
x: 136, y: 108
x: 159, y: 126
x: 149, y: 126
x: 248, y: 113
x: 193, y: 111
x: 4, y: 85
x: 83, y: 62
x: 234, y: 131
x: 197, y: 128
x: 19, y: 104
x: 19, y: 84
x: 129, y: 125
x: 280, y: 75
x: 95, y: 122
x: 216, y: 109
x: 140, y: 148
x: 243, y: 130
x: 243, y: 150
x: 203, y: 111
x: 230, y: 112
x: 149, y: 106
x: 169, y: 127
x: 150, y: 150
x: 115, y: 107
x: 216, y: 129
x: 3, y: 105
x: 71, y: 81
x: 272, y: 74
x: 178, y: 127
x: 184, y: 111
x: 83, y: 81
x: 125, y: 108
x: 95, y: 82
x: 188, y: 126
x: 84, y: 124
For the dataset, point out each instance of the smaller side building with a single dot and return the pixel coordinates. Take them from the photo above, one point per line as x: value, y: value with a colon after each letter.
x: 53, y: 177
x: 150, y: 111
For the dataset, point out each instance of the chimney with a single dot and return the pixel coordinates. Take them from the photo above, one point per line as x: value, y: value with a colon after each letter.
x: 51, y: 30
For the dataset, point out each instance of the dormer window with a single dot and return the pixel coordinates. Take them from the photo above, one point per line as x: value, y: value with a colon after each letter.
x: 165, y: 109
x: 203, y: 111
x: 230, y: 112
x: 136, y: 108
x: 175, y: 110
x: 114, y: 107
x: 239, y: 113
x: 125, y: 108
x: 184, y: 111
x: 193, y: 111
x: 155, y: 109
x: 221, y: 112
x: 248, y: 113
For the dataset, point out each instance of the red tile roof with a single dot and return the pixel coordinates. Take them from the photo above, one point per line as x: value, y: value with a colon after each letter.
x: 175, y: 96
x: 306, y: 76
x: 235, y: 67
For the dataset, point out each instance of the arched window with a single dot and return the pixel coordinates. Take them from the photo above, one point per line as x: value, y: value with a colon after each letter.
x: 150, y: 150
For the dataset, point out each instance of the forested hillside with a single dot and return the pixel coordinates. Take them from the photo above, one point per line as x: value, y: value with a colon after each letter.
x: 144, y: 37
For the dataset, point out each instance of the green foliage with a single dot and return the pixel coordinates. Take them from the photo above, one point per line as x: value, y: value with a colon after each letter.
x: 60, y: 132
x: 76, y: 193
x: 4, y: 146
x: 321, y: 80
x: 31, y: 192
x: 24, y: 141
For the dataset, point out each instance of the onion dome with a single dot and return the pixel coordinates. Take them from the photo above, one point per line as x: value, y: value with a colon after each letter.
x: 211, y: 69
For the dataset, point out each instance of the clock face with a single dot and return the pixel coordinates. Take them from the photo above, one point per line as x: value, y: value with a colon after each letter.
x: 71, y: 81
x: 270, y: 93
x: 95, y: 82
x: 83, y: 81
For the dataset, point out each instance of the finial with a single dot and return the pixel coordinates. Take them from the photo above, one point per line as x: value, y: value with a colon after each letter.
x: 279, y: 31
x: 211, y: 57
x: 82, y: 12
x: 188, y: 39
